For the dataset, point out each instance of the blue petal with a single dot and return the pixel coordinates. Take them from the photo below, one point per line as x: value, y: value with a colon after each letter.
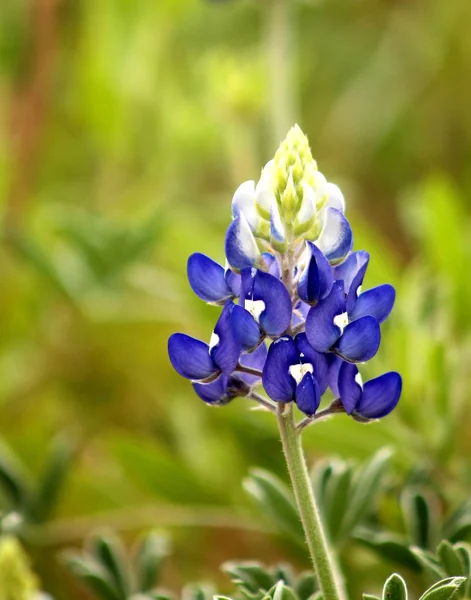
x: 307, y: 354
x: 380, y: 396
x: 276, y: 379
x: 215, y: 393
x: 316, y: 280
x: 225, y: 348
x: 308, y: 396
x: 352, y: 269
x: 336, y: 238
x: 334, y: 362
x: 207, y: 279
x: 255, y: 360
x: 301, y: 313
x: 272, y: 264
x: 245, y: 328
x: 240, y: 245
x: 350, y: 391
x: 360, y: 340
x: 377, y: 302
x: 190, y: 357
x: 321, y: 331
x: 233, y: 281
x: 276, y: 316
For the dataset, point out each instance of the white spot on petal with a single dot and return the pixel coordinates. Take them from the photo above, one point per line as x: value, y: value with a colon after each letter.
x: 255, y: 308
x: 341, y: 321
x: 297, y: 372
x: 359, y: 380
x: 214, y: 341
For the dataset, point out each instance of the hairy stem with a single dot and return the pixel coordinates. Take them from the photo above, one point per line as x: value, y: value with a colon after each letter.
x: 248, y: 370
x: 321, y: 556
x: 262, y: 401
x: 335, y: 408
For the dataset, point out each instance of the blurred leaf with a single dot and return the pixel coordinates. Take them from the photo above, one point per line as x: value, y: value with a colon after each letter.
x: 389, y: 546
x: 152, y: 550
x: 13, y: 480
x: 420, y: 518
x: 252, y: 575
x: 275, y: 499
x: 94, y: 577
x: 110, y: 552
x: 52, y: 480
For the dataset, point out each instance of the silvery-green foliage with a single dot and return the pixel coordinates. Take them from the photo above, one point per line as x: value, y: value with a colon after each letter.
x: 110, y: 573
x: 395, y: 588
x: 346, y: 494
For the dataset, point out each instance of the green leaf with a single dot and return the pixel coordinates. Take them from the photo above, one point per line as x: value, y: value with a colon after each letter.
x: 320, y: 477
x: 149, y: 557
x: 283, y: 592
x: 464, y: 550
x: 444, y: 590
x: 337, y: 501
x: 52, y: 480
x: 197, y: 592
x: 109, y: 551
x: 284, y: 572
x: 389, y: 546
x: 253, y: 576
x: 428, y: 563
x: 306, y: 585
x: 365, y: 486
x: 458, y: 526
x: 275, y: 500
x: 419, y: 518
x: 370, y: 597
x: 450, y: 559
x: 395, y: 588
x: 14, y: 480
x: 94, y: 576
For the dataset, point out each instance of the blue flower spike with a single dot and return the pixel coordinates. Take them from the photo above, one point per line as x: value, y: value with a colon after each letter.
x: 294, y: 319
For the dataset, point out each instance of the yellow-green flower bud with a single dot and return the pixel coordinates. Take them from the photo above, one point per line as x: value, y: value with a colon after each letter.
x: 17, y: 581
x: 294, y: 168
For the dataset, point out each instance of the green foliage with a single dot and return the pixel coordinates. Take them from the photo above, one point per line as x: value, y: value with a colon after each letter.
x: 106, y: 570
x: 27, y: 502
x: 346, y: 494
x: 257, y: 582
x: 424, y: 526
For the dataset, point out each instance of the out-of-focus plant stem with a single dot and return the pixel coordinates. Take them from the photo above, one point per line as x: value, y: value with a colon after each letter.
x: 322, y: 558
x: 280, y: 67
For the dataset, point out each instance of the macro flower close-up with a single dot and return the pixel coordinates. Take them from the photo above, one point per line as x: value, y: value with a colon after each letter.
x: 235, y: 330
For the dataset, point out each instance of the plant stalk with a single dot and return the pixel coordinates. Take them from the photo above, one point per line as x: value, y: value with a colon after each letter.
x: 322, y: 558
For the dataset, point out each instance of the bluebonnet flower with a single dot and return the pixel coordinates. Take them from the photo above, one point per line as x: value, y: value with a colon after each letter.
x: 372, y: 400
x: 292, y: 283
x: 295, y: 371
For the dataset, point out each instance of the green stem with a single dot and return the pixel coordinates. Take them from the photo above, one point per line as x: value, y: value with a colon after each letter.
x: 321, y: 556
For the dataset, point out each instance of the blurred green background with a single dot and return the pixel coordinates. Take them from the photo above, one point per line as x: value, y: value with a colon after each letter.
x: 125, y: 127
